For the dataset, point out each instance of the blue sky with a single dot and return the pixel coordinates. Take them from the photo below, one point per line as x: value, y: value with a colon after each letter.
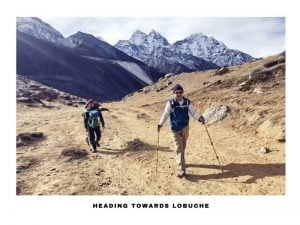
x: 258, y: 36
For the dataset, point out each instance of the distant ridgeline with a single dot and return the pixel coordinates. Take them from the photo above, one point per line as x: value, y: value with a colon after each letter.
x: 87, y: 66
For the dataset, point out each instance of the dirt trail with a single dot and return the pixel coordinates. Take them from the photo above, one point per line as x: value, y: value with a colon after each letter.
x: 126, y: 165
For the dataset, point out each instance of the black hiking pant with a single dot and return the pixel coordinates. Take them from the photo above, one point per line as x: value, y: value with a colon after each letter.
x: 92, y: 133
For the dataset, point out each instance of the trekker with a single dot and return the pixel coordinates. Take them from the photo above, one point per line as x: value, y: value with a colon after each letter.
x: 179, y: 108
x: 92, y: 114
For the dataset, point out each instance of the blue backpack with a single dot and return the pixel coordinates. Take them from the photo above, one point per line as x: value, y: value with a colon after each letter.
x: 93, y: 120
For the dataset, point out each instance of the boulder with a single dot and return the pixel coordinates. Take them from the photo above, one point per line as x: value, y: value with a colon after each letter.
x: 25, y: 100
x: 264, y: 150
x: 244, y: 86
x: 272, y: 130
x: 216, y: 83
x: 215, y: 113
x: 169, y: 75
x: 258, y: 91
x: 279, y: 60
x: 46, y: 94
x: 28, y: 138
x: 160, y: 88
x: 281, y: 136
x: 263, y: 73
x: 259, y: 74
x: 221, y: 71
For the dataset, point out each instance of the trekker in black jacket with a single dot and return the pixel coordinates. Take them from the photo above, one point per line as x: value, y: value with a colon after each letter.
x: 92, y: 114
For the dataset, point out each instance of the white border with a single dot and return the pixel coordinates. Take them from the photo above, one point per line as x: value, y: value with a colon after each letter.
x: 275, y: 210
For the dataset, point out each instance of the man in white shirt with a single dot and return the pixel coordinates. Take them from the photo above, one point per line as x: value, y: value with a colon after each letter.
x: 179, y: 108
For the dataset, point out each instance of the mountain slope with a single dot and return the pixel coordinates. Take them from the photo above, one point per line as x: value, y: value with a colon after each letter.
x: 127, y: 160
x: 87, y: 45
x: 60, y: 68
x: 81, y: 64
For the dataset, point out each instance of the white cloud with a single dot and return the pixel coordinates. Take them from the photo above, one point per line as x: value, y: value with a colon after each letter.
x: 258, y: 36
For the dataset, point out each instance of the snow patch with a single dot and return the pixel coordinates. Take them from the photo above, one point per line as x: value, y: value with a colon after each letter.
x: 37, y: 28
x: 135, y: 70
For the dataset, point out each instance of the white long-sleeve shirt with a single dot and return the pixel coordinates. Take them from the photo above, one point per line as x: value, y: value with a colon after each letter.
x: 168, y: 110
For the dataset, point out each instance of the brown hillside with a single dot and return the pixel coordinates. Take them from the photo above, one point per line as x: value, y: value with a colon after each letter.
x: 61, y: 163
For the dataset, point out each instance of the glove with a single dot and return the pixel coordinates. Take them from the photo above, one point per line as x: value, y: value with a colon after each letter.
x: 158, y: 127
x: 201, y: 119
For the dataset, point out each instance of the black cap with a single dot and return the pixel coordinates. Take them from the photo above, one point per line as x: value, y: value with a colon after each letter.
x: 177, y: 87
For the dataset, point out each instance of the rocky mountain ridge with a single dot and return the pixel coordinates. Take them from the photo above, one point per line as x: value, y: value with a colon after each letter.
x: 194, y: 53
x: 35, y: 94
x: 89, y: 66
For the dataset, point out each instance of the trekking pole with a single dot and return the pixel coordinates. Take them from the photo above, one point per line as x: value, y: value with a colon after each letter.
x: 157, y: 155
x: 212, y: 144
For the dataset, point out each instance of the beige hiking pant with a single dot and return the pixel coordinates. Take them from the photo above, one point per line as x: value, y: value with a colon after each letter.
x: 180, y: 139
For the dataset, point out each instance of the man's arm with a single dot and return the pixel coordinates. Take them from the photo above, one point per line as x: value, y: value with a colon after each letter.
x: 166, y: 114
x: 85, y: 119
x: 194, y: 114
x: 101, y: 118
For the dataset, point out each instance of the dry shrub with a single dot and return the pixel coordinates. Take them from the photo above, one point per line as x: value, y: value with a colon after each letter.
x: 137, y: 145
x: 74, y: 153
x: 28, y: 138
x: 24, y: 163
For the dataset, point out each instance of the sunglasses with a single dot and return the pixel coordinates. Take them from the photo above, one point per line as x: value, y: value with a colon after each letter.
x: 178, y: 92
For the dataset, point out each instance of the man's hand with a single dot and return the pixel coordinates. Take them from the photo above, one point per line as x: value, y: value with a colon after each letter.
x: 201, y: 119
x: 103, y: 125
x: 158, y: 127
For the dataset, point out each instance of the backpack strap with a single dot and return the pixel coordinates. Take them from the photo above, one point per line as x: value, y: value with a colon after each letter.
x: 187, y: 101
x: 172, y: 103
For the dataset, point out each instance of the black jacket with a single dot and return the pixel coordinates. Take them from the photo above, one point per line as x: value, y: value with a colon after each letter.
x: 86, y: 115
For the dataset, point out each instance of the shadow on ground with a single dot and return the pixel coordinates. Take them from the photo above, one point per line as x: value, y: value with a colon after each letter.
x: 256, y: 171
x: 119, y: 152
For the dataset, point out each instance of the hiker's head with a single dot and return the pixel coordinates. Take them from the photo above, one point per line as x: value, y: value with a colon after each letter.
x: 91, y: 103
x: 178, y: 91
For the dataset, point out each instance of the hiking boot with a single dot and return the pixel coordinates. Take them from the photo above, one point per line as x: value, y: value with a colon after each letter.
x: 97, y: 143
x: 94, y: 151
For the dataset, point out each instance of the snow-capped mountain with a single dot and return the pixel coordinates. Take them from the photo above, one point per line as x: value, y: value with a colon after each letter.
x: 210, y: 49
x: 138, y: 37
x: 154, y: 50
x: 151, y: 41
x: 81, y: 64
x: 36, y: 27
x: 197, y: 52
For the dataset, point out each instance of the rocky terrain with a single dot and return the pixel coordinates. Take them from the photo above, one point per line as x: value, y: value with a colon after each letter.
x: 35, y: 94
x: 244, y: 106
